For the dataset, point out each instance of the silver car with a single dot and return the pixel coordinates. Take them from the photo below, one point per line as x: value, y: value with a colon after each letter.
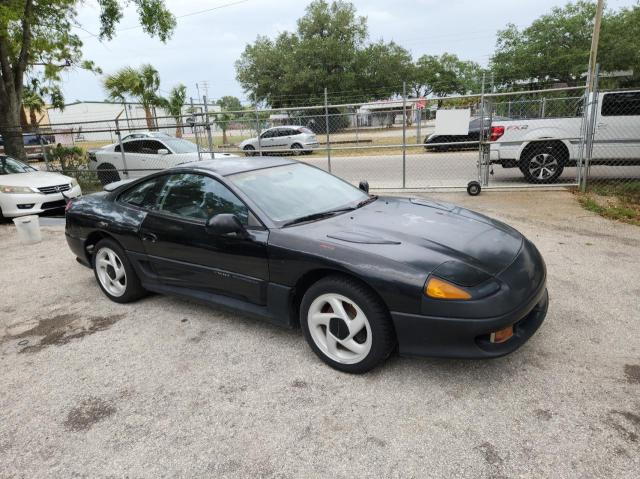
x: 289, y: 138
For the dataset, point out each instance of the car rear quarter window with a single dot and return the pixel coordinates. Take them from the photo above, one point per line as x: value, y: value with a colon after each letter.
x: 621, y: 104
x: 144, y: 195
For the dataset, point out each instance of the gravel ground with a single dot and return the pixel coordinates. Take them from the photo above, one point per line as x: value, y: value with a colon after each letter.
x: 168, y: 388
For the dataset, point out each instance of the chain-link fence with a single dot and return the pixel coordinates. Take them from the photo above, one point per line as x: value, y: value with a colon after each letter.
x: 537, y: 138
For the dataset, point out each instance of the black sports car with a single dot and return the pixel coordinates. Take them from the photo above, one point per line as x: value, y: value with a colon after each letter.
x: 293, y: 244
x: 462, y: 142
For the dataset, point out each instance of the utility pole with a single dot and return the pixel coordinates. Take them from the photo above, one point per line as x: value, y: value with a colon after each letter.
x: 595, y: 38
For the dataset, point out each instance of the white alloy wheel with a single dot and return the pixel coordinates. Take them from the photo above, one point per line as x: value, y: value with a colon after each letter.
x: 111, y: 272
x: 543, y: 166
x: 339, y: 328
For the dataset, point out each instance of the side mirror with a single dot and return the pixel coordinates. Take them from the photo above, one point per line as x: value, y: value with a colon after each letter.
x: 224, y: 224
x: 163, y: 151
x: 364, y: 186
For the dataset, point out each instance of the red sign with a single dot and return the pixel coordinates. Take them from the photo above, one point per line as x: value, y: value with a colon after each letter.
x: 421, y: 103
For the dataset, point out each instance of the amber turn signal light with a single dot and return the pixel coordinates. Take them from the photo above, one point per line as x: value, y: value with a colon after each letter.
x: 441, y: 289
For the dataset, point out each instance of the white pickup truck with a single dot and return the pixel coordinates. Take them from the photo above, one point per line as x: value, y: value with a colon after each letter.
x: 542, y: 148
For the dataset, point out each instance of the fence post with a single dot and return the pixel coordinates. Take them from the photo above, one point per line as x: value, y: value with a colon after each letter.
x: 44, y: 150
x: 195, y: 126
x: 418, y: 123
x: 404, y: 135
x: 258, y: 131
x: 207, y: 127
x: 357, y: 126
x: 591, y: 126
x: 125, y: 172
x: 481, y: 137
x: 326, y: 121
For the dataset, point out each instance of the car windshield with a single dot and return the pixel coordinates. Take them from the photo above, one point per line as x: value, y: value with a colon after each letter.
x: 178, y: 145
x: 288, y: 192
x: 9, y: 166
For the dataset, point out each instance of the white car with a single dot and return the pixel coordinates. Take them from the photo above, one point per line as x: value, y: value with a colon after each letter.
x: 141, y: 156
x: 290, y: 138
x: 27, y: 191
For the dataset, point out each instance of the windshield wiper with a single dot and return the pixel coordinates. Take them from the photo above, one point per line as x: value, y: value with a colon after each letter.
x: 371, y: 199
x: 318, y: 216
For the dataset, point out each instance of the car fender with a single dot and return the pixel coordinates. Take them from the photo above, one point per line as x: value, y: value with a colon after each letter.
x: 546, y: 133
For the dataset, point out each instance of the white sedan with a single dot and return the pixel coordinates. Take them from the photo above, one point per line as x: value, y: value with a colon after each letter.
x: 27, y: 191
x: 141, y: 156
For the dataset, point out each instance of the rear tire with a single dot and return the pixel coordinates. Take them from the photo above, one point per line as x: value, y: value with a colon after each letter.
x: 543, y: 163
x: 107, y: 173
x: 346, y: 324
x: 296, y: 149
x: 114, y: 273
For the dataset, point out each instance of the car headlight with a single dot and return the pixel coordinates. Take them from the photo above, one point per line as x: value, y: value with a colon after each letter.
x: 17, y: 189
x: 73, y: 183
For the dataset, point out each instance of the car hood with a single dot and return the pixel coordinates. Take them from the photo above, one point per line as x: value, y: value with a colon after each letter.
x: 420, y: 233
x: 35, y: 179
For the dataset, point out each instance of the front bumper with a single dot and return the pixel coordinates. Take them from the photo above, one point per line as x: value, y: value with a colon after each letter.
x: 19, y: 204
x: 420, y: 335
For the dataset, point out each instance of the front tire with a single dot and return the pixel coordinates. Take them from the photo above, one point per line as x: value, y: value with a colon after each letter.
x: 346, y: 325
x: 115, y: 274
x: 249, y: 150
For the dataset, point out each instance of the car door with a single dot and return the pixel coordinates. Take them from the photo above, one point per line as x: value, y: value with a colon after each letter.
x: 267, y: 139
x: 284, y: 139
x: 187, y: 257
x: 617, y: 133
x: 134, y: 158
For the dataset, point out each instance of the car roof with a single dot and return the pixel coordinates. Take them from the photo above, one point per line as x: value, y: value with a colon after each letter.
x: 231, y: 166
x: 286, y: 126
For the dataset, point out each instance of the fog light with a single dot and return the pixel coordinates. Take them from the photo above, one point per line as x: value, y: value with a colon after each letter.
x: 26, y: 206
x: 502, y: 335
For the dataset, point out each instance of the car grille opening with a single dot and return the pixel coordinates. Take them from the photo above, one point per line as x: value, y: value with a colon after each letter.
x: 50, y: 190
x: 54, y: 204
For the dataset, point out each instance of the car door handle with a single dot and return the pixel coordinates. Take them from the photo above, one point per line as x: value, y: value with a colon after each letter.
x: 602, y: 125
x: 150, y: 237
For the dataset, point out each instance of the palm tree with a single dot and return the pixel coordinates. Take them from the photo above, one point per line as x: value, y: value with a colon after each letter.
x: 33, y: 103
x: 173, y: 105
x: 142, y: 85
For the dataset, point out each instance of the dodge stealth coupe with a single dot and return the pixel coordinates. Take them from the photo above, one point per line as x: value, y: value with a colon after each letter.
x: 361, y: 275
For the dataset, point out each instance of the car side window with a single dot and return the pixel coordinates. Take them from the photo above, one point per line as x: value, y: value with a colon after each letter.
x: 621, y: 104
x: 132, y: 146
x: 150, y: 147
x: 200, y: 197
x: 145, y: 194
x: 267, y: 134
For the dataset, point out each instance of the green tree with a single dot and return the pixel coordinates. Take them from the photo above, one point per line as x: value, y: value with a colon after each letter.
x: 141, y: 85
x: 555, y: 47
x: 33, y: 103
x: 444, y: 75
x: 227, y: 104
x: 37, y: 38
x: 174, y: 105
x: 328, y: 50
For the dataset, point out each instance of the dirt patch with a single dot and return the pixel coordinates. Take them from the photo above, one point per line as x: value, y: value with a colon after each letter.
x: 60, y: 329
x: 543, y: 414
x: 298, y: 383
x: 88, y: 412
x: 632, y: 373
x: 490, y: 454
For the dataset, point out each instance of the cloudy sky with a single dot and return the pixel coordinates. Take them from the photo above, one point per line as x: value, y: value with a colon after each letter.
x: 211, y: 34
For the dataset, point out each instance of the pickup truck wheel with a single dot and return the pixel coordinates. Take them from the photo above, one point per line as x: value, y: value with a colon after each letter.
x: 543, y: 164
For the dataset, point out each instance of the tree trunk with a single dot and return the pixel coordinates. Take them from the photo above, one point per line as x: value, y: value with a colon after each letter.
x: 10, y: 128
x: 24, y: 123
x: 33, y: 119
x: 149, y: 117
x: 178, y: 127
x: 224, y: 135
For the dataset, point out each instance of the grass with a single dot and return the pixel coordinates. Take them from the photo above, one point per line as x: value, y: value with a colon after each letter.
x: 614, y: 200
